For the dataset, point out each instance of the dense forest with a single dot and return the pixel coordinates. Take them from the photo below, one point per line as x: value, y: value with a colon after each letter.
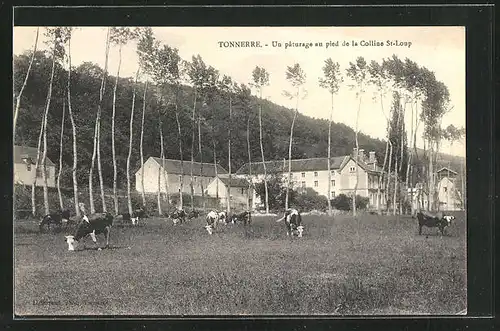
x: 309, y: 134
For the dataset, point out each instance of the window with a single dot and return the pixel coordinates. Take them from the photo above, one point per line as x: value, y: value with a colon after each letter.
x: 332, y: 194
x: 180, y: 178
x: 194, y: 178
x: 303, y: 174
x: 333, y: 182
x: 333, y: 172
x: 445, y: 189
x: 28, y: 166
x: 352, y: 169
x: 315, y: 183
x: 315, y: 174
x: 303, y: 184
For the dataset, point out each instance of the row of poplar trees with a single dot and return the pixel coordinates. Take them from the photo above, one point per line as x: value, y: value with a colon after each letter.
x: 163, y: 69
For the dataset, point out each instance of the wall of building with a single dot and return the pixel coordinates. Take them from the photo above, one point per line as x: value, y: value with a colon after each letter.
x: 151, y: 169
x: 238, y: 194
x: 26, y: 177
x: 447, y: 195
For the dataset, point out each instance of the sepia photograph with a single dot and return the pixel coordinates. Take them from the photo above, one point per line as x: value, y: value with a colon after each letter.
x: 214, y: 171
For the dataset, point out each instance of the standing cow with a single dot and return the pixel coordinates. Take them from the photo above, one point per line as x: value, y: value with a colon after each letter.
x: 293, y: 222
x: 212, y: 218
x: 431, y: 220
x: 178, y: 216
x: 92, y: 225
x: 244, y: 217
x: 58, y: 218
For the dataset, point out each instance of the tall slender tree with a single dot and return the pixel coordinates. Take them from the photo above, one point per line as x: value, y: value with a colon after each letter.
x: 96, y: 132
x: 358, y: 72
x: 73, y: 126
x: 141, y: 144
x: 331, y: 81
x: 119, y: 36
x: 297, y: 78
x: 19, y: 96
x: 260, y: 79
x: 59, y: 172
x: 131, y: 138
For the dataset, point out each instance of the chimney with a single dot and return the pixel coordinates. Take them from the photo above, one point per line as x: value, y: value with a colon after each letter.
x: 372, y: 158
x: 354, y: 152
x: 362, y: 155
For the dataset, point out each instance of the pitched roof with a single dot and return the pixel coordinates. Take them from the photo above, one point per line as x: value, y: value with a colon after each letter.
x: 446, y: 169
x: 20, y: 152
x: 174, y: 167
x: 235, y: 182
x: 297, y: 165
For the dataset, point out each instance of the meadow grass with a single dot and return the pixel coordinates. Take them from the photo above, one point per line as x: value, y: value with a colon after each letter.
x: 342, y: 266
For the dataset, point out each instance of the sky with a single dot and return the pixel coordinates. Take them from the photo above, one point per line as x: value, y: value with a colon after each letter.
x: 439, y: 49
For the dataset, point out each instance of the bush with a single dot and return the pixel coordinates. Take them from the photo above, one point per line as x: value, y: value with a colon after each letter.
x: 344, y: 202
x: 311, y: 200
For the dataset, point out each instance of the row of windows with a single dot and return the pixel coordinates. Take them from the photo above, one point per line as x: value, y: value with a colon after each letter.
x: 316, y: 183
x: 303, y: 174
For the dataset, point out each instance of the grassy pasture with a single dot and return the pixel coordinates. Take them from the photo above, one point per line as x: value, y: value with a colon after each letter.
x: 342, y: 266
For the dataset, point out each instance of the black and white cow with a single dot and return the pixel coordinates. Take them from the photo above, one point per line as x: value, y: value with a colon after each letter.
x: 222, y: 217
x: 178, y: 216
x: 92, y: 225
x: 244, y: 217
x: 58, y: 218
x: 133, y: 218
x: 193, y: 214
x: 431, y: 220
x: 212, y: 218
x: 293, y: 222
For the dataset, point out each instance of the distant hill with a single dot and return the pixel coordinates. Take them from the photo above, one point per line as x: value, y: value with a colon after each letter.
x: 310, y: 135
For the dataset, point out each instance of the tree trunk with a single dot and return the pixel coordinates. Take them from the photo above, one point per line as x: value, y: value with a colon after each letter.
x: 290, y: 152
x: 329, y: 160
x: 164, y: 172
x: 356, y: 161
x: 192, y: 150
x: 228, y: 195
x: 37, y: 166
x: 99, y: 168
x: 249, y: 165
x: 387, y: 199
x: 290, y: 160
x: 131, y: 136
x: 141, y: 147
x: 115, y: 196
x: 97, y: 128
x: 18, y: 99
x: 61, y: 203
x: 201, y: 166
x: 44, y: 154
x: 262, y: 155
x: 161, y: 169
x: 158, y: 195
x: 181, y: 189
x: 73, y: 125
x: 431, y: 179
x: 410, y: 157
x: 381, y: 177
x: 216, y: 174
x: 396, y: 180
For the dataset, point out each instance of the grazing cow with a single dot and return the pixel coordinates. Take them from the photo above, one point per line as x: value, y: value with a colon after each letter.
x: 222, y: 216
x: 58, y: 218
x: 133, y: 218
x: 431, y: 220
x: 245, y: 217
x: 193, y: 214
x: 178, y: 216
x: 293, y: 222
x: 92, y: 225
x: 211, y: 219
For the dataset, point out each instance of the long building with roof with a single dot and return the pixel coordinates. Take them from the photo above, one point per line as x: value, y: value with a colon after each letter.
x: 313, y: 173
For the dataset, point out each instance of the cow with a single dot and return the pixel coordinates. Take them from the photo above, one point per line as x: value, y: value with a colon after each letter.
x: 92, y: 225
x: 58, y: 218
x: 178, y: 216
x: 212, y: 218
x: 222, y: 217
x: 431, y: 220
x: 133, y: 218
x: 293, y: 222
x: 193, y: 214
x: 245, y: 217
